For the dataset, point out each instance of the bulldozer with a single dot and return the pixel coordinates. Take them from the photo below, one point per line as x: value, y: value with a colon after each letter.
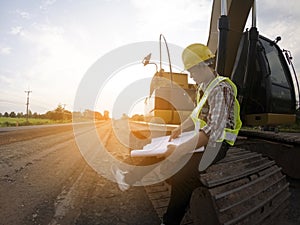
x: 245, y: 187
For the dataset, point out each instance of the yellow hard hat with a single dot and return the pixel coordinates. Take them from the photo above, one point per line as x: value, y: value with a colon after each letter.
x: 195, y: 54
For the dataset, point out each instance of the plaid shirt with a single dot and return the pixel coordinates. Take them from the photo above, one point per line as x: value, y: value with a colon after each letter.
x: 218, y: 111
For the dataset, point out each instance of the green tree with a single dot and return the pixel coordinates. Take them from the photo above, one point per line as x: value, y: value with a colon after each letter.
x: 98, y: 116
x: 20, y: 115
x: 88, y: 114
x: 12, y: 115
x: 77, y: 115
x: 56, y: 114
x: 124, y: 116
x: 138, y: 117
x: 35, y: 115
x: 106, y: 115
x: 67, y: 115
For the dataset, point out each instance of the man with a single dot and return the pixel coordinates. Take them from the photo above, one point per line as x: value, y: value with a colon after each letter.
x: 215, y: 118
x: 216, y: 121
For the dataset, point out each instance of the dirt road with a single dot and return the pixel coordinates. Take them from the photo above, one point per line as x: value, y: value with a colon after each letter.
x: 45, y: 180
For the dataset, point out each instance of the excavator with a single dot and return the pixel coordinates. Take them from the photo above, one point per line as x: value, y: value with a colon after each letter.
x: 245, y: 187
x: 268, y: 89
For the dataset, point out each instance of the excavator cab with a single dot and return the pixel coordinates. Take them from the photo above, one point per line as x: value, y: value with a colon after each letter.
x: 266, y: 91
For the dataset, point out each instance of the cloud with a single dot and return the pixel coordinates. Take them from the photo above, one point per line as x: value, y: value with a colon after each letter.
x: 47, y: 3
x: 181, y: 22
x: 16, y: 30
x: 281, y: 19
x: 5, y: 50
x: 171, y: 14
x: 50, y: 2
x: 58, y: 62
x: 5, y: 80
x: 280, y: 9
x: 23, y: 14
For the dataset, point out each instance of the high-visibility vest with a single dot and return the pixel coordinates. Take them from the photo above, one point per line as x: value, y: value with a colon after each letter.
x: 229, y: 135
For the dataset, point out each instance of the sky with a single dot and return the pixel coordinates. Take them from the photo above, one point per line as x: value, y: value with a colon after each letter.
x: 47, y: 46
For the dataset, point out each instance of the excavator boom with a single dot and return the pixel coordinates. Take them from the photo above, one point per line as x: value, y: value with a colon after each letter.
x: 237, y: 14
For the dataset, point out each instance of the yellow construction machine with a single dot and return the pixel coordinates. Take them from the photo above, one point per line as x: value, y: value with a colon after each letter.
x: 245, y: 187
x: 268, y: 89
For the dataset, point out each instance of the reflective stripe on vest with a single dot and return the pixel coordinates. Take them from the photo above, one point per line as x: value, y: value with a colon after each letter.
x: 229, y: 135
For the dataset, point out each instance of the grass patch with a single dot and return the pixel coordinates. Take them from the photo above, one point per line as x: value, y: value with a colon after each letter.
x: 13, y: 122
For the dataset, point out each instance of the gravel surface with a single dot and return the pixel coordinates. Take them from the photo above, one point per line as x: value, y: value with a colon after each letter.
x: 45, y: 180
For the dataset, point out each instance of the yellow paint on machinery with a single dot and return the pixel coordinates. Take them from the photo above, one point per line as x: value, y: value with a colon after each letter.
x: 270, y: 119
x: 171, y: 97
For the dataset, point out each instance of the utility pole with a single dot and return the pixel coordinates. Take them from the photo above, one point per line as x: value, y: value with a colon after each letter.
x: 27, y: 105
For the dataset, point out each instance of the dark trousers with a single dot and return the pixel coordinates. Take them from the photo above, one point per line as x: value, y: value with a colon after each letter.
x: 183, y: 183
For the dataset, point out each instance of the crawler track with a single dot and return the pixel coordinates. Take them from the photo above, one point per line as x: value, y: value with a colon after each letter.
x: 243, y: 188
x: 246, y: 187
x: 283, y: 148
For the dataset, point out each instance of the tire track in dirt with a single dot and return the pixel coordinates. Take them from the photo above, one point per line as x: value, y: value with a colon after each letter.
x: 33, y: 170
x: 49, y: 182
x: 16, y: 156
x: 68, y: 202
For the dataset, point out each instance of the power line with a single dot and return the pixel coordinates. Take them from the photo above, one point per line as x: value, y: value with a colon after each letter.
x: 27, y: 104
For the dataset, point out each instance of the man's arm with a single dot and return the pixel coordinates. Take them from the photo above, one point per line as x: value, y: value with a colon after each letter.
x: 187, y: 125
x: 203, y: 139
x: 220, y: 101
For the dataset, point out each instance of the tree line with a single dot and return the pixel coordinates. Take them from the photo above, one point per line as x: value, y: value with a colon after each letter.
x: 59, y: 113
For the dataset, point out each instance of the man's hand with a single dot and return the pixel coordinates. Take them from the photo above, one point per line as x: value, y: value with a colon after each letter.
x: 175, y: 133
